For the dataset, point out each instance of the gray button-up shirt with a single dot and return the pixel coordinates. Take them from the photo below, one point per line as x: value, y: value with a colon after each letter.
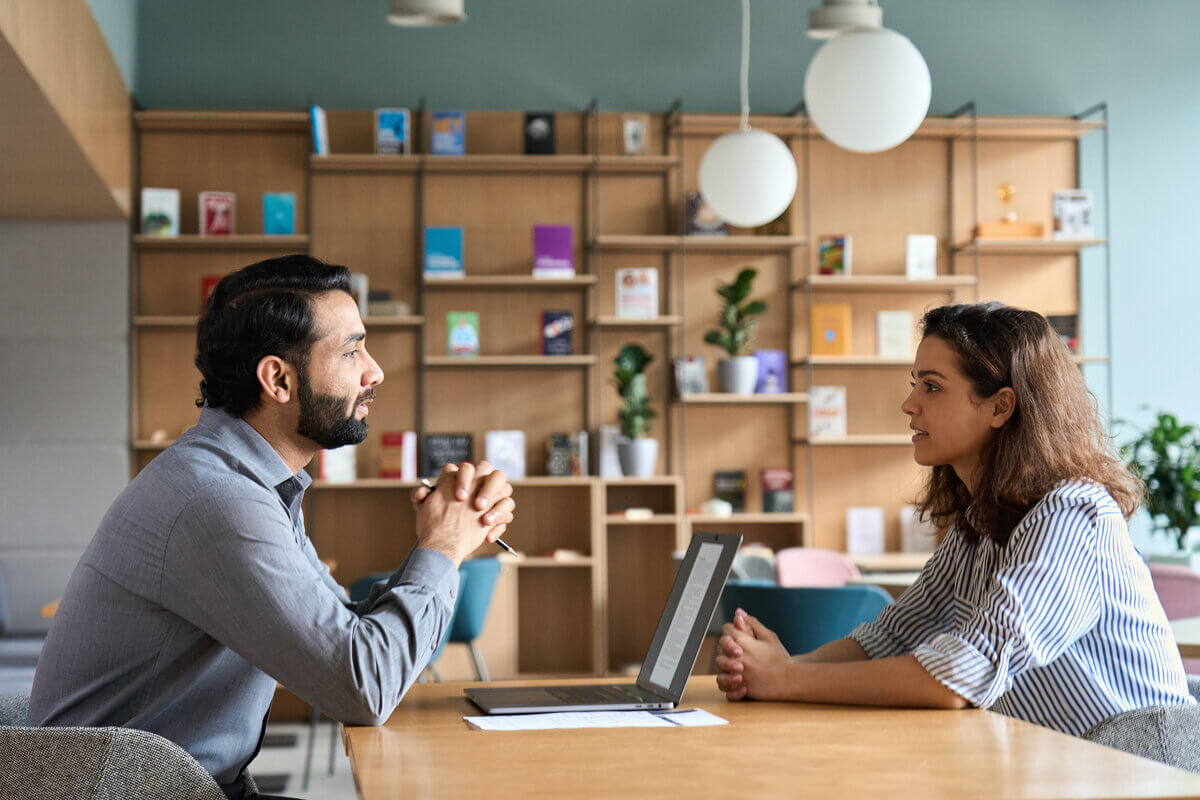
x: 200, y: 590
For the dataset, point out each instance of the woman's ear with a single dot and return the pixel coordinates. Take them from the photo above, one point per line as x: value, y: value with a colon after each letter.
x: 1004, y: 405
x: 276, y: 378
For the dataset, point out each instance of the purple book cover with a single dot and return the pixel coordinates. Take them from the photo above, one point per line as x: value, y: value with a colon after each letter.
x: 553, y: 251
x: 772, y: 372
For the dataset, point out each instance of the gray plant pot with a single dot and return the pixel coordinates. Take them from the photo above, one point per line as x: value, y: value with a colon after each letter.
x: 737, y: 375
x: 638, y: 457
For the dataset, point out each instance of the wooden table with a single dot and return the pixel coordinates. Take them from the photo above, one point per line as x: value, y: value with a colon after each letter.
x: 1187, y: 636
x: 766, y: 750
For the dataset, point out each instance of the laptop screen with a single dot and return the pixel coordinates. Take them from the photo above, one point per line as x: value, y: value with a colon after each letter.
x: 689, y: 609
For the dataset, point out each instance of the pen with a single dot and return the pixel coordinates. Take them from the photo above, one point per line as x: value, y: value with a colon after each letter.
x: 430, y: 485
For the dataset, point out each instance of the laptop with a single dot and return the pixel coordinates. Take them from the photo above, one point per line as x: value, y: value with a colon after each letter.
x: 669, y: 661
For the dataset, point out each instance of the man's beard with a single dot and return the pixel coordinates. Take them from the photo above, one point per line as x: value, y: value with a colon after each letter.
x: 323, y: 417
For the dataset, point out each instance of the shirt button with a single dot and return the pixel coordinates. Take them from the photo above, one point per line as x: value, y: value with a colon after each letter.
x: 451, y: 594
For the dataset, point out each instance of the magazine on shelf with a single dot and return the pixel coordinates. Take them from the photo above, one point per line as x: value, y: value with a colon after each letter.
x: 834, y: 255
x: 444, y: 252
x: 920, y: 257
x: 539, y: 133
x: 160, y: 212
x: 827, y: 412
x: 440, y: 449
x: 392, y: 131
x: 398, y: 455
x: 777, y: 493
x: 553, y: 251
x: 772, y: 372
x: 279, y: 213
x: 218, y: 211
x: 462, y: 333
x: 448, y: 133
x: 320, y: 130
x: 691, y: 375
x: 831, y: 329
x: 1073, y: 214
x: 505, y: 450
x: 637, y: 293
x: 894, y: 334
x: 556, y: 330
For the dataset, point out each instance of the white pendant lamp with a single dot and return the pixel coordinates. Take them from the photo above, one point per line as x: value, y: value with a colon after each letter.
x: 425, y: 13
x: 747, y: 177
x: 867, y: 89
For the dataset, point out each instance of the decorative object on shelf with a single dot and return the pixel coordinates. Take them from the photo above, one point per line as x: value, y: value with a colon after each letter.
x: 207, y: 284
x: 639, y: 513
x: 610, y: 464
x: 553, y: 251
x: 894, y: 334
x: 279, y: 213
x: 361, y: 292
x: 398, y: 455
x: 772, y: 372
x: 539, y: 133
x: 716, y: 507
x: 920, y: 257
x: 777, y: 493
x: 730, y: 486
x: 158, y: 436
x: 444, y: 251
x: 506, y: 451
x: 462, y: 333
x: 702, y: 220
x: 1067, y: 328
x: 555, y: 333
x: 381, y: 304
x: 160, y: 212
x: 867, y: 89
x: 567, y: 454
x: 827, y: 412
x: 218, y: 212
x: 865, y: 530
x: 917, y: 534
x: 691, y: 375
x: 831, y: 329
x: 440, y: 449
x: 425, y: 13
x: 638, y: 453
x: 637, y: 293
x: 739, y: 372
x: 320, y: 130
x: 1008, y: 227
x: 633, y: 133
x: 1166, y: 456
x: 448, y: 133
x: 392, y: 131
x: 748, y: 176
x: 339, y: 465
x: 834, y: 255
x: 1073, y: 214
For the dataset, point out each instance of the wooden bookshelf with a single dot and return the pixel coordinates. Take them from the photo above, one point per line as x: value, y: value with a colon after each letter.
x: 886, y: 283
x: 514, y: 282
x: 1026, y: 247
x: 726, y: 399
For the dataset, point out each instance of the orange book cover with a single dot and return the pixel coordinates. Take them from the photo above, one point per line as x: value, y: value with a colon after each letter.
x: 831, y: 329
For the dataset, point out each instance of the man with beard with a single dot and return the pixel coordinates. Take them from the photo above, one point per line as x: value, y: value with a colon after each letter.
x: 201, y: 589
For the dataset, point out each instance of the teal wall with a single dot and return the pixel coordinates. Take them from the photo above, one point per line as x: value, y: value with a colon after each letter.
x: 118, y: 22
x: 1014, y: 57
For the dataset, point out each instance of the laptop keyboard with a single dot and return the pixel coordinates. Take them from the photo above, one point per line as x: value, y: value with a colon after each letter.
x: 579, y: 695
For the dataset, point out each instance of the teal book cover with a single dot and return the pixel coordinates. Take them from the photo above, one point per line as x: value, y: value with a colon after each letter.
x: 279, y: 213
x: 444, y: 252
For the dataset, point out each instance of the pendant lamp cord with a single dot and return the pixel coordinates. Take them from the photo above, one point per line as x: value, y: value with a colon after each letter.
x: 745, y: 65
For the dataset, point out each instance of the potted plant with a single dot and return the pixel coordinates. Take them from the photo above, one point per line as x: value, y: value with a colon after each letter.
x: 1167, y: 458
x: 637, y: 452
x: 739, y: 372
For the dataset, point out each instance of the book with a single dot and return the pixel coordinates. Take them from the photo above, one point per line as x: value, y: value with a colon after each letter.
x: 834, y: 255
x: 207, y: 284
x: 398, y: 455
x: 777, y: 493
x: 440, y: 449
x: 730, y: 486
x: 539, y: 133
x: 864, y: 530
x: 1067, y: 328
x: 610, y: 464
x: 827, y: 412
x: 320, y: 130
x: 702, y: 220
x: 338, y: 466
x: 392, y: 131
x: 831, y: 329
x: 894, y: 334
x: 917, y: 534
x: 160, y: 212
x: 381, y: 304
x: 360, y: 291
x: 567, y: 454
x: 1072, y: 210
x: 633, y: 133
x: 553, y: 251
x: 637, y: 293
x: 462, y: 333
x: 279, y: 213
x: 444, y: 252
x: 217, y: 213
x: 506, y: 452
x: 920, y: 257
x: 556, y: 330
x: 772, y: 372
x: 448, y: 133
x: 691, y: 375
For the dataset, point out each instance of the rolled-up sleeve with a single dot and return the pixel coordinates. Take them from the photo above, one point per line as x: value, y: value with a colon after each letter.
x: 1044, y: 596
x: 235, y: 571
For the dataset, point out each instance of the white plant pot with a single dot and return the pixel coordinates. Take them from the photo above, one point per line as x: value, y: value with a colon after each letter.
x: 737, y: 375
x: 638, y: 457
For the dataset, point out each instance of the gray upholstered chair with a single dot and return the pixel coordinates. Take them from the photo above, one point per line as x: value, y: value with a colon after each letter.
x: 1170, y: 734
x: 94, y: 763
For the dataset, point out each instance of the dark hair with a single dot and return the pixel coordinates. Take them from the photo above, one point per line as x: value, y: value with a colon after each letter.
x: 261, y: 310
x: 1054, y: 435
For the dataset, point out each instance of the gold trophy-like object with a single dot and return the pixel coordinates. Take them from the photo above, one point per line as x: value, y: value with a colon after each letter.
x: 1008, y: 227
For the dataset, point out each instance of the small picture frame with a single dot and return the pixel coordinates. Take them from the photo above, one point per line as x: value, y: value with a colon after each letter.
x: 633, y: 134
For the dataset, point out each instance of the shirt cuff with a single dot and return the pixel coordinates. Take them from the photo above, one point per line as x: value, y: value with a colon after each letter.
x: 875, y: 642
x: 963, y: 669
x: 435, y: 570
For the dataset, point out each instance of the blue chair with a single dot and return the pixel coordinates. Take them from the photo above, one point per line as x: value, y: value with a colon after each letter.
x: 804, y: 617
x: 477, y: 583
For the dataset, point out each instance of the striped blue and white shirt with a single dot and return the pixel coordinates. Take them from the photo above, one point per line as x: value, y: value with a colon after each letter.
x: 1061, y: 627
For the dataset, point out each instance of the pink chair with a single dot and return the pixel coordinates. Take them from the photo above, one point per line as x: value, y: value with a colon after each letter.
x: 809, y: 566
x: 1178, y: 590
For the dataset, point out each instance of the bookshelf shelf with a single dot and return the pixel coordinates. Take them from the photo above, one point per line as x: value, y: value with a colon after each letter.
x: 657, y: 480
x: 621, y: 323
x: 859, y: 440
x: 1023, y: 247
x: 283, y: 244
x: 363, y: 162
x: 730, y: 244
x: 934, y: 127
x: 657, y: 519
x: 729, y: 399
x: 618, y: 164
x: 519, y: 282
x: 185, y: 321
x: 492, y: 362
x: 480, y: 164
x: 549, y: 562
x: 852, y: 361
x: 751, y: 518
x: 885, y: 283
x: 231, y: 121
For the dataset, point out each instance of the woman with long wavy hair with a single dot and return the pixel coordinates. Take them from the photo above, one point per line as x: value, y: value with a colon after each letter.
x: 1035, y: 604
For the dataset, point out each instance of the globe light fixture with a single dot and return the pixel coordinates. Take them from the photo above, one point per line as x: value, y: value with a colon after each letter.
x: 425, y: 13
x: 747, y: 177
x: 867, y: 89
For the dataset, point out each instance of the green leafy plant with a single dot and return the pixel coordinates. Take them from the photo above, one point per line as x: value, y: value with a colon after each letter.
x: 637, y: 417
x: 1167, y: 457
x: 734, y: 334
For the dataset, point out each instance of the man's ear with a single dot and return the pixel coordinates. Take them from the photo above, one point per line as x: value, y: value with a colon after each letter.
x: 1004, y: 405
x: 277, y: 379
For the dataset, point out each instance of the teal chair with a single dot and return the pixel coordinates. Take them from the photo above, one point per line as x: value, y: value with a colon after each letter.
x: 804, y: 617
x: 477, y: 583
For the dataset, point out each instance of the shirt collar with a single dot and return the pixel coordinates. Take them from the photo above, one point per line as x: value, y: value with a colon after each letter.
x: 255, y: 454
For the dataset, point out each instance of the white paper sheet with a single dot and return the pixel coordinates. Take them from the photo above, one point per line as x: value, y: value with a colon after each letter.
x: 684, y: 718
